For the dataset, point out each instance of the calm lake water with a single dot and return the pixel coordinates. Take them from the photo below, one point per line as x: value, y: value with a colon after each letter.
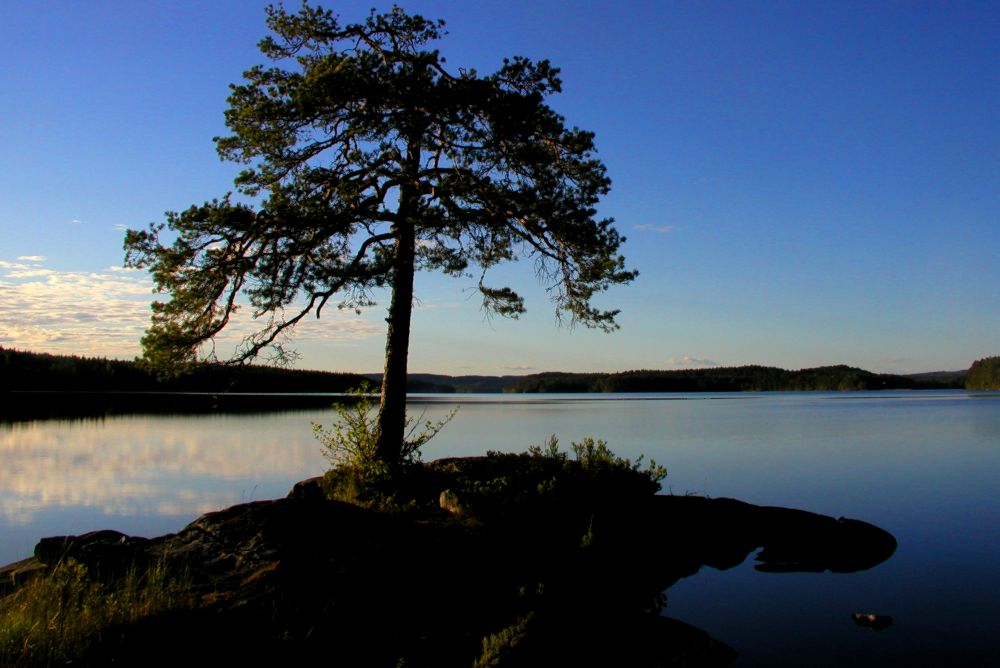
x: 923, y: 465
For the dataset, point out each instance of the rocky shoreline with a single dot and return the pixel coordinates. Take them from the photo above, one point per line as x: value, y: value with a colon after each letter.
x: 306, y: 578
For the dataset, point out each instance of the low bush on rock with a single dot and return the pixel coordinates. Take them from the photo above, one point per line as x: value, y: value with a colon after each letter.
x: 501, y: 486
x: 357, y: 475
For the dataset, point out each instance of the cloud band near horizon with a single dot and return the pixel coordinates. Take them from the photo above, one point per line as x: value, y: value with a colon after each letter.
x: 105, y: 314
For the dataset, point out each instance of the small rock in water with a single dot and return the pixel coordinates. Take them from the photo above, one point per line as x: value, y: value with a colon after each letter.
x: 870, y: 620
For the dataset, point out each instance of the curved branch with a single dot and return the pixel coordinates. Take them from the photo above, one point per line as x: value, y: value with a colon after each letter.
x: 326, y: 294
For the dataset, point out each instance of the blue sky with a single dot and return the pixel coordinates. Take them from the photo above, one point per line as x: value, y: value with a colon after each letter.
x: 801, y: 183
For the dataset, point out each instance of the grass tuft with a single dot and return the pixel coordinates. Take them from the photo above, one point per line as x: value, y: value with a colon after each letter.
x: 55, y: 618
x: 498, y: 645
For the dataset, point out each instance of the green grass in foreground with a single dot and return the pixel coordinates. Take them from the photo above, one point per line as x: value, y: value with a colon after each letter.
x: 55, y: 618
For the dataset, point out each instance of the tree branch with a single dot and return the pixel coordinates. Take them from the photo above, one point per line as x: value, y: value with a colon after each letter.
x: 362, y: 251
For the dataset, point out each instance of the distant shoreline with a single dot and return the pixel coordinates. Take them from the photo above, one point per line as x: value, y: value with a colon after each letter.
x: 22, y: 371
x: 18, y: 406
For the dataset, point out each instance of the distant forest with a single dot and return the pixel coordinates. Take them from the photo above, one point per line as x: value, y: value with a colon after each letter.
x: 984, y: 374
x: 27, y: 371
x: 735, y: 379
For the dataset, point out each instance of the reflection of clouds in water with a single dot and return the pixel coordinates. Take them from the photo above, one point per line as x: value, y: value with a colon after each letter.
x: 171, y: 508
x: 149, y: 465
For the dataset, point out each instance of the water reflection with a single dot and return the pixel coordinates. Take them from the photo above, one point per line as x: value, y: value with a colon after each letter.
x: 149, y: 465
x: 921, y: 465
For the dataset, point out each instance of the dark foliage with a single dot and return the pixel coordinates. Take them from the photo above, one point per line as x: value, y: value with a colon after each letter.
x: 24, y: 371
x: 727, y: 379
x: 984, y: 374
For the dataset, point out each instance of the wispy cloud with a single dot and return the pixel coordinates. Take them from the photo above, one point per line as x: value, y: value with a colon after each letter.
x: 520, y: 367
x: 31, y: 258
x: 688, y: 362
x: 75, y: 221
x: 71, y: 312
x: 419, y: 305
x: 105, y: 313
x: 333, y: 326
x: 659, y: 229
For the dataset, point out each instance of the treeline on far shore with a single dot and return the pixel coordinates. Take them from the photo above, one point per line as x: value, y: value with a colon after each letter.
x: 735, y: 379
x: 984, y: 374
x: 28, y: 371
x: 22, y: 371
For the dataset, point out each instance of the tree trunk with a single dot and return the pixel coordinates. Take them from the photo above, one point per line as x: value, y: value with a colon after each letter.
x: 392, y: 409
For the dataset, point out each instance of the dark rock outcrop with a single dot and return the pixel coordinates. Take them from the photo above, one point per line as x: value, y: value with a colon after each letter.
x: 302, y: 578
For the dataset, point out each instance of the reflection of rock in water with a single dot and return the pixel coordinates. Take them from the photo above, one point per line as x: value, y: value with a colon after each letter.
x: 722, y: 532
x: 294, y: 580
